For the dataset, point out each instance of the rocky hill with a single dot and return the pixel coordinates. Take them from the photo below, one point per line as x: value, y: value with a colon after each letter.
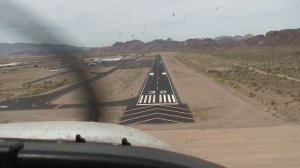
x: 282, y: 38
x: 36, y: 49
x: 226, y: 39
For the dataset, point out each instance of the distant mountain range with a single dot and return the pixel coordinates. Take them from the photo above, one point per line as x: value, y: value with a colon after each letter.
x: 226, y: 39
x: 282, y: 38
x: 37, y: 49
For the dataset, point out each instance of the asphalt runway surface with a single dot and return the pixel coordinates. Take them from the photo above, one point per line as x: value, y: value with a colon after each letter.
x: 158, y: 88
x: 158, y: 101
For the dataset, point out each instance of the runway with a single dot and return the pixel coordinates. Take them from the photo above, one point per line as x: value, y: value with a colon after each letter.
x: 158, y: 88
x: 158, y: 101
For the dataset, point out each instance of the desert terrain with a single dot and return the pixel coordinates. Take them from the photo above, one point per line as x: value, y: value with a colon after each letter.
x: 268, y: 147
x: 257, y: 75
x: 121, y: 84
x: 231, y: 128
x: 243, y: 95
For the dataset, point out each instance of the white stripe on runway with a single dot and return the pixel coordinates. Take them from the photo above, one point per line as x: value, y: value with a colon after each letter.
x: 149, y: 98
x: 153, y: 98
x: 160, y: 99
x: 169, y: 99
x: 173, y: 97
x: 141, y: 99
x: 165, y: 101
x: 145, y: 99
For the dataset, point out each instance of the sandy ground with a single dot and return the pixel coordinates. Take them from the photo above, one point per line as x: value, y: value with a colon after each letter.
x: 99, y: 69
x: 121, y: 84
x: 70, y: 76
x: 267, y: 147
x: 16, y: 79
x: 213, y: 105
x: 229, y: 130
x: 107, y: 114
x: 112, y: 114
x: 43, y: 115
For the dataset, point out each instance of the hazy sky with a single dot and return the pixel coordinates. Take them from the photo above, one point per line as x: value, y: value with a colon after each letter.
x: 102, y: 22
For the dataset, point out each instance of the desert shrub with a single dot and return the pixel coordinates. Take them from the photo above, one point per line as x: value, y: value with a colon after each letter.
x: 297, y: 53
x: 257, y: 89
x: 254, y: 84
x: 278, y: 91
x: 251, y: 94
x: 277, y: 68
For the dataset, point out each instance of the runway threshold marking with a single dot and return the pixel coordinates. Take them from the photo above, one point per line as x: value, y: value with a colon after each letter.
x: 169, y: 98
x: 145, y: 100
x: 173, y: 97
x: 141, y: 98
x: 149, y: 99
x: 157, y: 101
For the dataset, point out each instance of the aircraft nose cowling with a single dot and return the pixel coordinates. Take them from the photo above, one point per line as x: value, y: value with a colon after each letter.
x: 90, y: 131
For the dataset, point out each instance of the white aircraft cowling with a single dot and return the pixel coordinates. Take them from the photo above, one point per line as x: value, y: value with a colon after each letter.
x: 60, y: 131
